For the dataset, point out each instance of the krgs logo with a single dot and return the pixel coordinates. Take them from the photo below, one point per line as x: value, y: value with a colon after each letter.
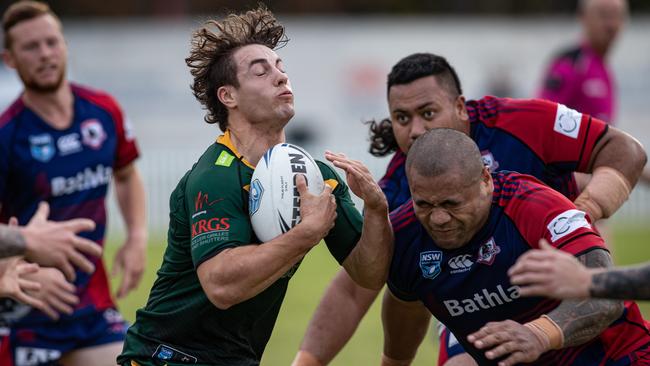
x: 210, y: 225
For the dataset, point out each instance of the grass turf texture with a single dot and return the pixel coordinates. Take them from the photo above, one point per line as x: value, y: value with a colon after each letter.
x: 632, y: 245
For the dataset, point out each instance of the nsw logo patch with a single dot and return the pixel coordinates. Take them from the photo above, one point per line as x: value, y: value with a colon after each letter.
x: 430, y: 263
x: 42, y: 147
x: 566, y: 223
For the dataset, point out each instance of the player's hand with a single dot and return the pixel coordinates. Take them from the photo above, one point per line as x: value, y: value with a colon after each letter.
x: 550, y: 272
x: 130, y: 261
x: 15, y: 284
x: 317, y: 212
x: 56, y: 294
x: 360, y: 181
x: 55, y: 244
x: 508, y: 339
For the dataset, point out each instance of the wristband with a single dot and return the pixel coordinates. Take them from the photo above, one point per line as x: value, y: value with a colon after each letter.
x: 606, y: 192
x: 547, y: 331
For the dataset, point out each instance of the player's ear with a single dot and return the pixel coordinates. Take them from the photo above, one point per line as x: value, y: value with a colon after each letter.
x: 461, y: 109
x: 227, y: 95
x: 486, y: 179
x: 8, y: 59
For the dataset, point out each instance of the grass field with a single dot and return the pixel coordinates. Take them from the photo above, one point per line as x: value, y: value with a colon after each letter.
x: 632, y: 245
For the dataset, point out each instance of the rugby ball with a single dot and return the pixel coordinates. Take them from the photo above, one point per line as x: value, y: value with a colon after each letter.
x: 274, y: 201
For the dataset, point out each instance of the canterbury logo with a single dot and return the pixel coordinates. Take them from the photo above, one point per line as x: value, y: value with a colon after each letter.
x: 460, y: 263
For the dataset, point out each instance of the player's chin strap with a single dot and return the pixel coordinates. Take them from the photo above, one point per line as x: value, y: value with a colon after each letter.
x: 547, y: 331
x: 607, y: 190
x: 387, y: 361
x: 305, y: 358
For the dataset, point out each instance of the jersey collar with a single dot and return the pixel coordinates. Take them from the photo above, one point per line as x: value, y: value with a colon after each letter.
x: 227, y: 142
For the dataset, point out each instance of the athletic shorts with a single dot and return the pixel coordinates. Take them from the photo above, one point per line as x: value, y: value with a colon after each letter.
x: 44, y: 344
x: 449, y: 346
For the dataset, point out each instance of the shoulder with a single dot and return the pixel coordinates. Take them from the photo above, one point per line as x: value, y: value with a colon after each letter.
x: 10, y: 114
x: 403, y: 218
x: 217, y: 168
x: 569, y: 55
x: 98, y: 98
x: 516, y: 192
x: 491, y: 110
x: 331, y: 177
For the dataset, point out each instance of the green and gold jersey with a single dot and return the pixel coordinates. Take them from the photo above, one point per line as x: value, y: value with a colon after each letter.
x: 209, y: 213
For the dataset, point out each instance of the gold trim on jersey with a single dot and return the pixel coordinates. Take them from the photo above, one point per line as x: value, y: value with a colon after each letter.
x: 226, y: 141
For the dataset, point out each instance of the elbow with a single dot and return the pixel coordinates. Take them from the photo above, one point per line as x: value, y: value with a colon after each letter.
x: 222, y: 298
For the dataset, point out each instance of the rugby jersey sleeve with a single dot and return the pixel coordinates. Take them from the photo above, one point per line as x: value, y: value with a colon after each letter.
x: 558, y: 135
x: 540, y: 212
x: 127, y: 149
x: 348, y: 225
x: 393, y: 183
x: 401, y: 281
x: 218, y: 216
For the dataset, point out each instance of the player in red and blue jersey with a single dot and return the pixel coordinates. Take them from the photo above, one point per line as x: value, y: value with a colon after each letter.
x: 579, y: 77
x: 536, y: 137
x: 63, y: 143
x: 454, y: 243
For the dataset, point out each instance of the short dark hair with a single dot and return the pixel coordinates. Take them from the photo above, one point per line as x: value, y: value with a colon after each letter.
x: 445, y: 150
x: 21, y: 11
x: 419, y: 65
x: 213, y: 46
x: 405, y: 71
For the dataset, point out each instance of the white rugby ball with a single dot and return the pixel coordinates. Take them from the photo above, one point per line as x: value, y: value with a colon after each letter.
x: 274, y: 202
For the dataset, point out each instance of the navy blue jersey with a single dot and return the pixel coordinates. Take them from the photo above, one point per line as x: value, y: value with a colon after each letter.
x: 546, y: 140
x: 70, y: 169
x: 467, y: 287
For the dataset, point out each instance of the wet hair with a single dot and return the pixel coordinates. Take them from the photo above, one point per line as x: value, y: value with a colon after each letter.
x: 442, y: 151
x: 405, y: 71
x: 22, y: 11
x: 211, y: 57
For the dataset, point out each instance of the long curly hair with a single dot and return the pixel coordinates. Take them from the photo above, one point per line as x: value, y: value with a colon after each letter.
x: 382, y: 139
x: 213, y: 45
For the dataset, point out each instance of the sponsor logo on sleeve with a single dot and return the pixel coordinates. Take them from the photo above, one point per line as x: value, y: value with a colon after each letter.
x: 224, y: 159
x: 165, y: 352
x: 129, y: 133
x: 42, y: 147
x: 488, y: 252
x: 566, y: 223
x: 69, y: 144
x: 92, y: 133
x: 29, y: 356
x: 201, y: 202
x: 430, y: 263
x: 567, y: 121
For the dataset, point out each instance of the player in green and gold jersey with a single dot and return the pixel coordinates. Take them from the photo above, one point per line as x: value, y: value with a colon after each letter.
x: 219, y: 289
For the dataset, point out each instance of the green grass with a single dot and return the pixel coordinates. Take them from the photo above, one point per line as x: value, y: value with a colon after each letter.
x: 631, y: 245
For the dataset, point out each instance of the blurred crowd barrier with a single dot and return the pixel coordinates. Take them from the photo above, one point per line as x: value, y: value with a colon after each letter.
x: 338, y: 68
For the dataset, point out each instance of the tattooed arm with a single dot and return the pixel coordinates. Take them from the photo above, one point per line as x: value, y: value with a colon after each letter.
x: 621, y: 283
x: 12, y: 242
x: 582, y: 320
x: 542, y: 272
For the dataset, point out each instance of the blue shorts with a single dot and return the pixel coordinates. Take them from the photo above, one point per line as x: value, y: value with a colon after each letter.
x: 44, y: 344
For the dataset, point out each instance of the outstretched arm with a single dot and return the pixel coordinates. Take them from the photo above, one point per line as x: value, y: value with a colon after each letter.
x: 336, y: 318
x: 368, y: 262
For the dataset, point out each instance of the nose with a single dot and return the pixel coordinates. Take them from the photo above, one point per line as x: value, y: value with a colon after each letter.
x: 439, y: 217
x: 417, y: 128
x: 281, y: 78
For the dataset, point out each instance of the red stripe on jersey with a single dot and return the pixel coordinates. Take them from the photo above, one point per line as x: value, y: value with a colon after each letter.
x: 127, y: 151
x: 98, y: 293
x: 402, y: 216
x: 397, y: 161
x: 10, y: 113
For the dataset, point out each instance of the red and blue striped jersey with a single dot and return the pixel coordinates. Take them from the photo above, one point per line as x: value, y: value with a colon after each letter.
x: 546, y: 140
x: 467, y: 287
x: 70, y: 169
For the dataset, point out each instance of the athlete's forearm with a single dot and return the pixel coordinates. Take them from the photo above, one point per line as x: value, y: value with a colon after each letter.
x: 583, y: 320
x: 130, y: 194
x: 238, y: 274
x: 12, y: 243
x: 368, y: 262
x: 622, y: 283
x: 337, y: 317
x: 405, y: 325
